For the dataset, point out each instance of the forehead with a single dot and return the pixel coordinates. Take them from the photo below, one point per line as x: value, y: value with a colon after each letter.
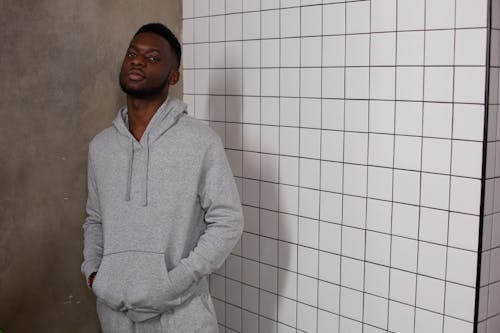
x: 150, y: 40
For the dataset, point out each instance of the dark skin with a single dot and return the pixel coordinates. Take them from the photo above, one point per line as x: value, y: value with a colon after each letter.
x: 148, y: 69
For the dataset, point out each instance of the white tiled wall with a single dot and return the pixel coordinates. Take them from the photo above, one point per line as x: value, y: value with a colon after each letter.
x: 489, y: 296
x: 355, y: 133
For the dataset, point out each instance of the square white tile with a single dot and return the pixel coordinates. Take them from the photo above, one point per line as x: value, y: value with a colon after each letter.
x: 289, y: 82
x: 379, y: 185
x: 351, y: 304
x: 433, y: 225
x: 438, y: 85
x: 307, y: 290
x: 329, y: 267
x: 432, y: 260
x: 329, y: 237
x: 334, y: 18
x: 383, y: 49
x: 352, y: 273
x: 406, y: 186
x: 289, y: 113
x: 357, y: 50
x: 306, y: 317
x: 405, y: 220
x: 403, y: 286
x: 270, y: 24
x: 378, y: 248
x: 307, y: 261
x: 328, y: 296
x: 383, y: 15
x: 251, y: 53
x: 440, y: 14
x: 333, y: 82
x: 410, y: 46
x: 234, y: 27
x: 353, y: 242
x: 289, y: 170
x: 430, y: 293
x: 435, y: 190
x: 310, y: 82
x: 382, y: 84
x: 411, y: 14
x: 288, y: 199
x: 357, y: 17
x: 355, y: 179
x: 409, y: 83
x: 288, y: 228
x: 310, y: 112
x: 404, y: 253
x: 287, y: 284
x: 401, y: 317
x: 288, y: 22
x: 354, y: 211
x: 309, y: 203
x: 377, y: 280
x: 310, y: 20
x: 333, y: 49
x: 357, y: 82
x: 310, y: 52
x: 375, y: 310
x: 378, y: 216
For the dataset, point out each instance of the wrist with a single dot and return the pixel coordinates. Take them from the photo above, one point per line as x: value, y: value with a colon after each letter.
x: 90, y: 279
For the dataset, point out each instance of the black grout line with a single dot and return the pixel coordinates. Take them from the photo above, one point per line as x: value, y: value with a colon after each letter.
x: 339, y: 98
x: 343, y: 169
x: 484, y: 175
x: 451, y: 162
x: 299, y: 153
x: 363, y: 317
x: 420, y: 180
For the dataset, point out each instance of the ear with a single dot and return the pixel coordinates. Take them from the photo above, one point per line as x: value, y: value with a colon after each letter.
x: 173, y: 77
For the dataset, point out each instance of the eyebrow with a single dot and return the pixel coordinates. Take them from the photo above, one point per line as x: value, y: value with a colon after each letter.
x: 145, y: 49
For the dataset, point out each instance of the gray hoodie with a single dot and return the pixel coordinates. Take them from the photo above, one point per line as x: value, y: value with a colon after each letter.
x: 162, y: 213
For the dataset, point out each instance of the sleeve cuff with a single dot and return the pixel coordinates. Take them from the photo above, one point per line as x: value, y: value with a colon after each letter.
x: 90, y: 267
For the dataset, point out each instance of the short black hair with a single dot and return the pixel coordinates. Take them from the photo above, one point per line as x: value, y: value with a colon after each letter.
x: 167, y: 34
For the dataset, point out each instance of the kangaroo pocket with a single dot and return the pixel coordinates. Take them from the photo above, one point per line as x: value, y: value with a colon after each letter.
x: 135, y: 280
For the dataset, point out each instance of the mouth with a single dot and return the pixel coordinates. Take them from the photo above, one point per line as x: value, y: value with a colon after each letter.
x: 135, y: 75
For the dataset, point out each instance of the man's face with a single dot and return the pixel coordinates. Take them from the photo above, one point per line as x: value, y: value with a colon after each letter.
x: 148, y: 64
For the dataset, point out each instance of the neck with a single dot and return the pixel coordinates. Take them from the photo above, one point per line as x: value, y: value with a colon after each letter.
x: 141, y: 111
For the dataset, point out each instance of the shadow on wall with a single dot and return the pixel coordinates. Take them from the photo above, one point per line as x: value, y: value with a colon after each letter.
x: 251, y: 271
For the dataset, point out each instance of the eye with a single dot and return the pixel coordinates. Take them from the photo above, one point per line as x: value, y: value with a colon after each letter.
x: 153, y: 58
x: 131, y: 54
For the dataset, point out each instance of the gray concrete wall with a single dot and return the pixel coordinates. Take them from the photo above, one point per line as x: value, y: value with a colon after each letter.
x: 59, y: 64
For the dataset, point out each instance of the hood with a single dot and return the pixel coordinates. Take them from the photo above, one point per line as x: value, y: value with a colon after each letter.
x: 167, y: 115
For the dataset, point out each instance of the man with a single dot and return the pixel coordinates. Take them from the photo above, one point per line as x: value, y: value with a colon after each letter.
x: 163, y: 211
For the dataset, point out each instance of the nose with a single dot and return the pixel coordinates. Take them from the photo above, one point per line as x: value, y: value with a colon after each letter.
x: 138, y: 60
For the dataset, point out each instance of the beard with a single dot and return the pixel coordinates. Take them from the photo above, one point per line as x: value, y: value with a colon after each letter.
x: 143, y: 92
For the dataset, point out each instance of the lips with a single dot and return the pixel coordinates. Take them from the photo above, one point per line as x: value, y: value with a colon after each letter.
x: 135, y: 75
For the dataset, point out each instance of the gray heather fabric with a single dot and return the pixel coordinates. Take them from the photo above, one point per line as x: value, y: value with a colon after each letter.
x: 197, y: 315
x: 162, y: 213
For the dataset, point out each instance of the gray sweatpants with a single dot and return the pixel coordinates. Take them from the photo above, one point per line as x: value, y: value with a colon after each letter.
x: 196, y: 315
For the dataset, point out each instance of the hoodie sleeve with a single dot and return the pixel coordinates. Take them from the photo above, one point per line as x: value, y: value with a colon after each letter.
x: 223, y: 215
x: 92, y: 228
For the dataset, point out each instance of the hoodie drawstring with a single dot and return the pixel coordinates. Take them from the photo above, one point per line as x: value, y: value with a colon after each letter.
x: 130, y: 166
x: 146, y: 174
